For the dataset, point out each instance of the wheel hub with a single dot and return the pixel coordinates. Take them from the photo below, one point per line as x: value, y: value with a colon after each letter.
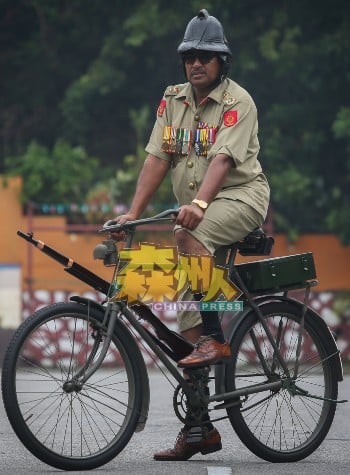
x: 72, y: 386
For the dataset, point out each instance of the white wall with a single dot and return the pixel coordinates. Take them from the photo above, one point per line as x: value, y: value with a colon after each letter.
x: 10, y: 295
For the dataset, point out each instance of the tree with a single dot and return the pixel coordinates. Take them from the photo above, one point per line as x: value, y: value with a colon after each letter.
x: 63, y: 175
x: 75, y: 71
x: 300, y: 81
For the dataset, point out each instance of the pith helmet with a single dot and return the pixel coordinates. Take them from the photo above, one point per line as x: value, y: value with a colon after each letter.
x: 204, y: 32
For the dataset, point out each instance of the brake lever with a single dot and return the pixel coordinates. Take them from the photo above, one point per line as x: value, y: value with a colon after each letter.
x: 110, y: 222
x: 112, y: 226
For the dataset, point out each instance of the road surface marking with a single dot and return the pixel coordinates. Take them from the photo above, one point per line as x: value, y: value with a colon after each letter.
x: 219, y: 471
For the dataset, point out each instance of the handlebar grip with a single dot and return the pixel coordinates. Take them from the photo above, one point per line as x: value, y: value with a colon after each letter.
x: 113, y: 226
x: 165, y: 213
x: 110, y: 222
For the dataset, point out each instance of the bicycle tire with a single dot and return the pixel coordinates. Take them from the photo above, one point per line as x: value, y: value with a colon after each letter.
x: 276, y: 425
x: 78, y: 430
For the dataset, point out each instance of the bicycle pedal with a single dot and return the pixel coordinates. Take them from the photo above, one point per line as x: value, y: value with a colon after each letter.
x: 194, y: 435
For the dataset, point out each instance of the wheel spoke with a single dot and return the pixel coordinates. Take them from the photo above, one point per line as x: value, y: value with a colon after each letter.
x: 290, y: 425
x: 45, y: 403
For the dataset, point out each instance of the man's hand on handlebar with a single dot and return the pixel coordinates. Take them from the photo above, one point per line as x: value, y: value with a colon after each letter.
x: 190, y: 216
x: 123, y: 218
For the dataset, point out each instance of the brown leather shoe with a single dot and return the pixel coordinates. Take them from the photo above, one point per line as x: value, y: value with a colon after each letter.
x: 187, y: 445
x: 207, y: 351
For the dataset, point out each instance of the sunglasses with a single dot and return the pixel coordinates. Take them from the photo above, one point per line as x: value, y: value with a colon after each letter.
x: 204, y: 57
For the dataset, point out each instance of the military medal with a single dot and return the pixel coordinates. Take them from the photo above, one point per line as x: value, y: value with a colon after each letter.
x: 186, y: 142
x: 173, y: 140
x: 203, y: 142
x: 196, y: 142
x: 176, y: 140
x: 166, y: 139
x: 179, y: 139
x: 204, y: 138
x: 212, y: 135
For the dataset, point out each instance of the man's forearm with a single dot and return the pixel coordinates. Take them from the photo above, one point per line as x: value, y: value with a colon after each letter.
x: 151, y: 176
x: 215, y: 177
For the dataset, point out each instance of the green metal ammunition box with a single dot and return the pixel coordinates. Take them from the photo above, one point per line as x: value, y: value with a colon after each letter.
x: 279, y: 273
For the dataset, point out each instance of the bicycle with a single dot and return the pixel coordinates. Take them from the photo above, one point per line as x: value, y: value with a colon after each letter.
x: 75, y: 411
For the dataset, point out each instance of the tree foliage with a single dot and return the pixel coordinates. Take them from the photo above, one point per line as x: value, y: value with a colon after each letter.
x: 91, y: 74
x: 64, y: 173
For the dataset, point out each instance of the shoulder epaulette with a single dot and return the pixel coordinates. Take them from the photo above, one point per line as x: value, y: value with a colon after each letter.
x: 173, y: 90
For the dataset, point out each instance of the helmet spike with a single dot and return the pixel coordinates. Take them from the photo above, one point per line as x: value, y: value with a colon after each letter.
x: 203, y: 14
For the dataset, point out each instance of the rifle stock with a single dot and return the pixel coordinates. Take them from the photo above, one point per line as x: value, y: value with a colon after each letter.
x: 73, y: 268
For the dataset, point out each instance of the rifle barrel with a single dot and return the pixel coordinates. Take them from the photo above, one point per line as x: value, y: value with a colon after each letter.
x: 73, y: 268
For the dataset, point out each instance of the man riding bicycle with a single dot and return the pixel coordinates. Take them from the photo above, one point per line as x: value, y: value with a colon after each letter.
x: 205, y: 134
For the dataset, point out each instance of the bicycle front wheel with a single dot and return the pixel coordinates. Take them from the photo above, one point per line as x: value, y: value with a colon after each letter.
x: 64, y: 425
x: 287, y: 424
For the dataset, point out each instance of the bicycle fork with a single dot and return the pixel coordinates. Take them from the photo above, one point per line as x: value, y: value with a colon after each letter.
x: 78, y: 380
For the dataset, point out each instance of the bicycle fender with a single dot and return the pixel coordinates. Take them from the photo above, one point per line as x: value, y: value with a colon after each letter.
x: 145, y: 381
x: 238, y: 317
x: 88, y: 302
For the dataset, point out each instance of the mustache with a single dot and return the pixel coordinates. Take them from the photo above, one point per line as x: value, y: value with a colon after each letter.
x: 197, y: 70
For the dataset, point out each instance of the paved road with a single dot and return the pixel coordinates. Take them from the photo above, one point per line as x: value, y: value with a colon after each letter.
x: 333, y: 457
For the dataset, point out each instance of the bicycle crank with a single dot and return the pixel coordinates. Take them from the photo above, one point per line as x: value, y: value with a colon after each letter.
x: 193, y: 408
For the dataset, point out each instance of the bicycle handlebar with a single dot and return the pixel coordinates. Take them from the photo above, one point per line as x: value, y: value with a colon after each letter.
x: 113, y: 226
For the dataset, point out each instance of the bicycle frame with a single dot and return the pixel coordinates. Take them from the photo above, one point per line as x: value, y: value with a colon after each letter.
x: 75, y: 383
x: 115, y: 309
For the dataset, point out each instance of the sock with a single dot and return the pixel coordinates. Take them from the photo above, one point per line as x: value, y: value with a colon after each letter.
x: 211, y: 323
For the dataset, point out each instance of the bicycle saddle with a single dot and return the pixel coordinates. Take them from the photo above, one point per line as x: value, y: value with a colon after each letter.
x: 256, y: 243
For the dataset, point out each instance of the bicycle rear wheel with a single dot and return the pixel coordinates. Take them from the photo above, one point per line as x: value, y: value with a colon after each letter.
x: 77, y: 429
x: 282, y: 425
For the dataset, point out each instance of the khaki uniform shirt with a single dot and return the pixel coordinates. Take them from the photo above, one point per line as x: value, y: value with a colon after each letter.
x: 191, y: 136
